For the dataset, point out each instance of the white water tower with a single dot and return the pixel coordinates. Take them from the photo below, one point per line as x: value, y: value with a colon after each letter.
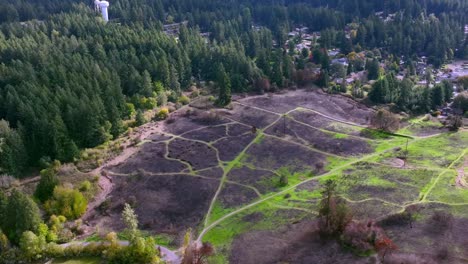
x: 102, y: 5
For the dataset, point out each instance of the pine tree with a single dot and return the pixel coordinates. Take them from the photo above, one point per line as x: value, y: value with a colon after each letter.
x: 140, y: 118
x: 22, y: 214
x: 46, y: 186
x: 373, y: 69
x: 224, y: 85
x: 13, y: 155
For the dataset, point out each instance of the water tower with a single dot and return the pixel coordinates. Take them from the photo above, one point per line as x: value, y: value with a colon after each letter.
x: 102, y: 5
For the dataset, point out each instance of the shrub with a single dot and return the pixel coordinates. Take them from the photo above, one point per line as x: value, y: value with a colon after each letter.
x: 162, y: 99
x: 208, y: 117
x: 386, y: 121
x: 85, y: 186
x: 283, y: 182
x: 31, y: 245
x: 184, y: 100
x: 195, y: 93
x: 67, y: 202
x: 140, y: 118
x: 162, y: 114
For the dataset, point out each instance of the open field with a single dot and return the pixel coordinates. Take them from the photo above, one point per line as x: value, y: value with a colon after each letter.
x: 219, y: 174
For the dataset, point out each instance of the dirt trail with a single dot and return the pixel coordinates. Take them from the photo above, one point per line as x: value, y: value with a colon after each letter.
x: 461, y: 178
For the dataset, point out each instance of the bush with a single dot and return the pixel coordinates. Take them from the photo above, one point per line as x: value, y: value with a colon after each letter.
x: 386, y: 121
x: 85, y: 186
x: 67, y: 202
x: 162, y: 114
x: 31, y: 245
x: 184, y: 100
x: 209, y: 117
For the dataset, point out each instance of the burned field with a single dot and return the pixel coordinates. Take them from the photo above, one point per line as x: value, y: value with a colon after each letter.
x: 237, y: 176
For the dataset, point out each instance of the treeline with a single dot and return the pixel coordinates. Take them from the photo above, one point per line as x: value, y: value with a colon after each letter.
x: 409, y: 97
x: 68, y: 80
x: 64, y: 82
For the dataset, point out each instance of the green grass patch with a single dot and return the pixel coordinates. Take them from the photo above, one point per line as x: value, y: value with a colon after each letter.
x: 446, y: 191
x: 376, y: 181
x: 93, y: 238
x: 218, y: 211
x: 78, y: 261
x: 164, y: 240
x: 340, y: 136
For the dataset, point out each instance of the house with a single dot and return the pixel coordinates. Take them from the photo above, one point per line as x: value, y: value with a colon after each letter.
x: 174, y: 28
x: 342, y: 61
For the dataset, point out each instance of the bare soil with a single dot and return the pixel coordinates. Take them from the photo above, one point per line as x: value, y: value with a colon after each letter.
x: 461, y: 175
x: 198, y: 155
x: 150, y: 158
x: 295, y: 243
x: 253, y: 177
x: 235, y: 130
x: 338, y: 107
x: 249, y: 116
x: 230, y: 147
x: 164, y: 204
x: 273, y: 154
x: 440, y: 239
x: 208, y: 134
x: 320, y: 140
x: 234, y: 195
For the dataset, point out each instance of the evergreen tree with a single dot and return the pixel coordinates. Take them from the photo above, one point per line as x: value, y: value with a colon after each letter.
x: 140, y: 118
x: 46, y: 186
x: 22, y: 214
x: 13, y: 156
x: 224, y: 86
x: 373, y: 69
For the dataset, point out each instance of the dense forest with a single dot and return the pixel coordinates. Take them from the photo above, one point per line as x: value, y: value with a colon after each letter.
x: 68, y: 80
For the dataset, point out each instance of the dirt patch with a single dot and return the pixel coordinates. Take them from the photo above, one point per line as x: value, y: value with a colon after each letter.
x: 164, y: 204
x: 422, y: 131
x: 394, y: 162
x: 181, y: 122
x: 319, y: 121
x: 339, y: 107
x: 296, y: 243
x: 150, y: 158
x: 235, y: 130
x: 372, y: 209
x: 253, y: 177
x: 230, y: 147
x: 398, y: 195
x: 320, y: 140
x: 198, y: 155
x: 461, y: 175
x: 273, y: 154
x: 215, y: 172
x: 435, y: 233
x: 250, y: 116
x: 207, y: 134
x: 234, y: 195
x: 159, y: 137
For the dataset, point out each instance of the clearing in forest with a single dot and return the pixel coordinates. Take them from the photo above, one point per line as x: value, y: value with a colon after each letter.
x: 221, y: 173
